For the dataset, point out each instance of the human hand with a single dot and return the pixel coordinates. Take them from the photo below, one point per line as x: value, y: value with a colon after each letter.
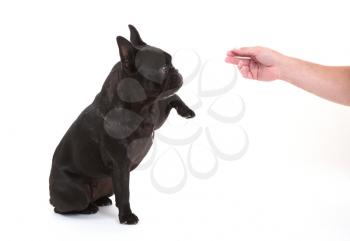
x: 262, y: 63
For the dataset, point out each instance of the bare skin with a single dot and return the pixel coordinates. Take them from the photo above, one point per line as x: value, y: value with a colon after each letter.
x: 329, y: 82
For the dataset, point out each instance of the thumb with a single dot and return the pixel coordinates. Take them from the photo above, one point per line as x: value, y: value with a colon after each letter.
x: 245, y: 52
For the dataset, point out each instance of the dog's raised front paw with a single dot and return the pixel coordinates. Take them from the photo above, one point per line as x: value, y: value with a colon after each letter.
x: 128, y: 219
x: 185, y: 112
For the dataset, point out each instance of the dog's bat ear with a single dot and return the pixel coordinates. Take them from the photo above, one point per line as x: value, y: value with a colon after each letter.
x: 135, y: 36
x: 127, y: 54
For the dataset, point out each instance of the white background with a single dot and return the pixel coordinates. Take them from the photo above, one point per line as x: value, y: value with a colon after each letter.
x: 292, y: 184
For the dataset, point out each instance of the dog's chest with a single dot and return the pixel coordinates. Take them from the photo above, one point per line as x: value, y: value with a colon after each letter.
x: 137, y: 150
x: 123, y: 124
x: 141, y: 143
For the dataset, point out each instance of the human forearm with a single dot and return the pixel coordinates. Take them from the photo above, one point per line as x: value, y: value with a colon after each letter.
x: 332, y: 83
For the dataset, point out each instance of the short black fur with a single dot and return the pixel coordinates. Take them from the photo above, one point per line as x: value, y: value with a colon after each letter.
x: 113, y: 134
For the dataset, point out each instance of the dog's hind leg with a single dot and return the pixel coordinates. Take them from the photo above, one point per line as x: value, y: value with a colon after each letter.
x: 71, y: 197
x: 102, y: 189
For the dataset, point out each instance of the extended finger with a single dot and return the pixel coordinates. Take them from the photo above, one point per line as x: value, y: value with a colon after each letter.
x: 244, y: 52
x: 232, y: 60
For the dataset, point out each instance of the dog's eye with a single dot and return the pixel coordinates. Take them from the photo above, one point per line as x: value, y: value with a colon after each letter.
x: 165, y: 69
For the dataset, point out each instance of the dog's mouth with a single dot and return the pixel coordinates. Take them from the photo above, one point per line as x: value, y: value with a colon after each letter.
x: 167, y: 94
x: 172, y: 88
x: 166, y: 97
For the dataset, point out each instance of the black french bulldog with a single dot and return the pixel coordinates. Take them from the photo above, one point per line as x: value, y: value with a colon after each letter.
x: 112, y: 135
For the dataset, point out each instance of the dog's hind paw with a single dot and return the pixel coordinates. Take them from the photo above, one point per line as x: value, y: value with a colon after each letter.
x: 103, y: 201
x: 91, y: 209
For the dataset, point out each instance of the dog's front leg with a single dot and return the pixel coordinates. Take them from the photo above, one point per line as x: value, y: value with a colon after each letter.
x: 120, y: 178
x: 114, y: 157
x: 181, y: 108
x: 163, y: 107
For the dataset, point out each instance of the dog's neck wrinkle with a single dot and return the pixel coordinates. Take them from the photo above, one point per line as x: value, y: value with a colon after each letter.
x: 100, y: 107
x: 110, y: 83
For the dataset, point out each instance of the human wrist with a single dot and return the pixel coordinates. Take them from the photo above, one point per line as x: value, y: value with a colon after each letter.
x: 286, y: 67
